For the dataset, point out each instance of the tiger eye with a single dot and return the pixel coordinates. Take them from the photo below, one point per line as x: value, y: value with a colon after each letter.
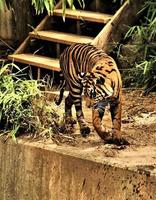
x: 100, y: 81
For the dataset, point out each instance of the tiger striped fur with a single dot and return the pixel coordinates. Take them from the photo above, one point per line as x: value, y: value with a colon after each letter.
x: 86, y: 67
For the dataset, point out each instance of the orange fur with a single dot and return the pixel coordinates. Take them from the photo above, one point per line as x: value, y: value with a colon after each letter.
x: 106, y: 68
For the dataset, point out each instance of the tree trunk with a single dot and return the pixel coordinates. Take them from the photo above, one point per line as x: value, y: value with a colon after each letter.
x: 116, y: 28
x: 23, y: 19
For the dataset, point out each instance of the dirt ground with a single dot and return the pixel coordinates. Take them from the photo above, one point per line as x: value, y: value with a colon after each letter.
x: 139, y: 118
x: 138, y: 128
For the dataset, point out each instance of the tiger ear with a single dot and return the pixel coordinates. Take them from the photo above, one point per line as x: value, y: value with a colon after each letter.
x: 81, y: 75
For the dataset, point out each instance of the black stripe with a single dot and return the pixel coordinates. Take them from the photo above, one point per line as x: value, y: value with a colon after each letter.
x: 110, y: 71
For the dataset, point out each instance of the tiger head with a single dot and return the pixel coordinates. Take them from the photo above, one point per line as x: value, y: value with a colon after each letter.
x: 96, y: 86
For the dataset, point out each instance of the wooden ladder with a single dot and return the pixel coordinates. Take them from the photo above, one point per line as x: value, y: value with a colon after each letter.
x: 47, y: 32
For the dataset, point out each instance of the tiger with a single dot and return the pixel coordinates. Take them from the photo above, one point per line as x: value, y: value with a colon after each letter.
x: 85, y: 68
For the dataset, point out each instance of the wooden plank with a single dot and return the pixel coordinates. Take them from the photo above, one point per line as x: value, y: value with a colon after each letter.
x: 41, y: 26
x: 84, y: 15
x: 36, y: 60
x: 60, y: 37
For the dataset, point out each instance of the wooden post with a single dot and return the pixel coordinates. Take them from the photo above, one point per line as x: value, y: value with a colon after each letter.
x: 78, y: 28
x: 58, y: 49
x: 38, y: 73
x: 97, y: 4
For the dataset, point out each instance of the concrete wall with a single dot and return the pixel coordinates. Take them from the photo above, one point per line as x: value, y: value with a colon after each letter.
x: 39, y: 172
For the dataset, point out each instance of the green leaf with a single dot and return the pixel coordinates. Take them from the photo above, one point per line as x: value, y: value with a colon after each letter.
x: 14, y: 132
x: 63, y: 9
x: 2, y: 3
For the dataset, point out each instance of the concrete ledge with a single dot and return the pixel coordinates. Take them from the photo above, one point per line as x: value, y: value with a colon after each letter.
x: 34, y: 171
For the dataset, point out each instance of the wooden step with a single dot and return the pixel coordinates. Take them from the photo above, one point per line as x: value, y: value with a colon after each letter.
x: 65, y: 38
x: 84, y: 15
x: 36, y: 60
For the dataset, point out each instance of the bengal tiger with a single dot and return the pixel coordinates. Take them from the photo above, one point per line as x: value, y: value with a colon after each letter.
x: 85, y: 67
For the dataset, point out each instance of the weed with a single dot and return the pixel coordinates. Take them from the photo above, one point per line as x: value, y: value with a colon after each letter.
x: 23, y: 107
x: 144, y: 36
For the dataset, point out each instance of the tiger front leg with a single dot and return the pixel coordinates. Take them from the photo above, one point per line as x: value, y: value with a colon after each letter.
x: 89, y: 101
x: 84, y: 128
x: 97, y: 115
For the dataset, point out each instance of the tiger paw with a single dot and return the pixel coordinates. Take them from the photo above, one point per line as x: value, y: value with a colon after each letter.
x: 104, y: 135
x: 85, y: 131
x: 70, y: 120
x: 117, y: 141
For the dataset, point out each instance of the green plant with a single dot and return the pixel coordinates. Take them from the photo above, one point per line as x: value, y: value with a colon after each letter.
x: 24, y: 107
x: 16, y: 97
x: 1, y: 4
x: 143, y: 36
x: 49, y: 5
x: 8, y: 3
x: 148, y: 74
x: 40, y: 5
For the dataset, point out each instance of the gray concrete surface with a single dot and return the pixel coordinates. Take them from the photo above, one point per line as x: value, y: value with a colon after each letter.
x: 37, y: 171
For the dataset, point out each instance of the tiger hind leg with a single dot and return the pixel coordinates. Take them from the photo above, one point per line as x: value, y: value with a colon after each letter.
x: 68, y: 112
x: 97, y: 115
x: 69, y: 101
x: 84, y: 128
x: 115, y: 109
